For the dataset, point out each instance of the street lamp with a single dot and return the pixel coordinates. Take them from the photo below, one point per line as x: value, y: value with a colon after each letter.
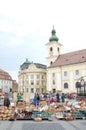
x: 83, y: 85
x: 78, y: 86
x: 85, y: 88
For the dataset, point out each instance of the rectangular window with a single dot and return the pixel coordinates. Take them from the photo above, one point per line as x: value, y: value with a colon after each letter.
x: 32, y: 82
x: 53, y: 74
x: 27, y: 90
x: 32, y: 90
x: 37, y: 90
x: 53, y: 82
x: 26, y: 82
x: 42, y: 76
x: 37, y: 82
x: 32, y: 76
x: 43, y: 83
x: 77, y: 72
x: 38, y: 76
x: 65, y: 73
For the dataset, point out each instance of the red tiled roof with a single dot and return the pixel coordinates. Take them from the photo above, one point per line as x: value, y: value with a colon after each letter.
x: 4, y: 75
x: 70, y: 58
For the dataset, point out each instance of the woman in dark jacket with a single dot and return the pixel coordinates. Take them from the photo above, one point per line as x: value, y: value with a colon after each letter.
x: 58, y: 98
x: 63, y: 97
x: 6, y: 102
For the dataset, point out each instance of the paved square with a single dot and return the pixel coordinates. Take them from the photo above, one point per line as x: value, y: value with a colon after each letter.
x: 44, y: 125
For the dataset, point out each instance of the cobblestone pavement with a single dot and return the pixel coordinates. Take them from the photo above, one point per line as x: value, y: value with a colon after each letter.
x: 44, y: 125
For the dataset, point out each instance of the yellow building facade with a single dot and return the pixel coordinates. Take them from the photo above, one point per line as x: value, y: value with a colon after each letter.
x: 32, y: 78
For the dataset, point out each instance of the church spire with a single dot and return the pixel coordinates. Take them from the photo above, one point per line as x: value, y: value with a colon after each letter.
x: 53, y: 36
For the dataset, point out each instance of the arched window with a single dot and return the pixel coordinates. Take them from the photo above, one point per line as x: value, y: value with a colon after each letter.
x: 51, y: 63
x: 58, y: 49
x: 77, y: 85
x: 54, y: 90
x: 51, y: 49
x: 65, y: 85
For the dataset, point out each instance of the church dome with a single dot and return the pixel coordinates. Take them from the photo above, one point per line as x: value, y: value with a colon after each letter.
x: 53, y: 37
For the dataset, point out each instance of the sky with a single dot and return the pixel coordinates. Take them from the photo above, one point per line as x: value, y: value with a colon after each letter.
x: 25, y: 28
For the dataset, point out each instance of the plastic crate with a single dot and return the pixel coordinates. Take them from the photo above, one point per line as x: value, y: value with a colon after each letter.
x: 78, y: 115
x: 43, y: 115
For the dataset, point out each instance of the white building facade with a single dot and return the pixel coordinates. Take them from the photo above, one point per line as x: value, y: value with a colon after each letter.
x: 64, y: 70
x: 5, y: 81
x: 61, y: 74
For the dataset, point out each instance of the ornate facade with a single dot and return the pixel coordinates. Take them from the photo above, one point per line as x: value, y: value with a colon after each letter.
x: 32, y: 78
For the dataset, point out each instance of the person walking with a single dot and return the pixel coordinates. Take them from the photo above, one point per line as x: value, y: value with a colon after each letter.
x: 63, y: 97
x: 36, y: 99
x: 58, y: 98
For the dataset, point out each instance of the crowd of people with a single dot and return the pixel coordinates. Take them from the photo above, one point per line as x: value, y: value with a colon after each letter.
x: 49, y: 98
x: 53, y: 97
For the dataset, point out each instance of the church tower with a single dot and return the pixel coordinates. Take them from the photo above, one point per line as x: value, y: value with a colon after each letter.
x: 53, y: 48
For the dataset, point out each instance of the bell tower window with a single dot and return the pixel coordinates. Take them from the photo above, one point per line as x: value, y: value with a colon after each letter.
x: 51, y: 51
x: 58, y: 49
